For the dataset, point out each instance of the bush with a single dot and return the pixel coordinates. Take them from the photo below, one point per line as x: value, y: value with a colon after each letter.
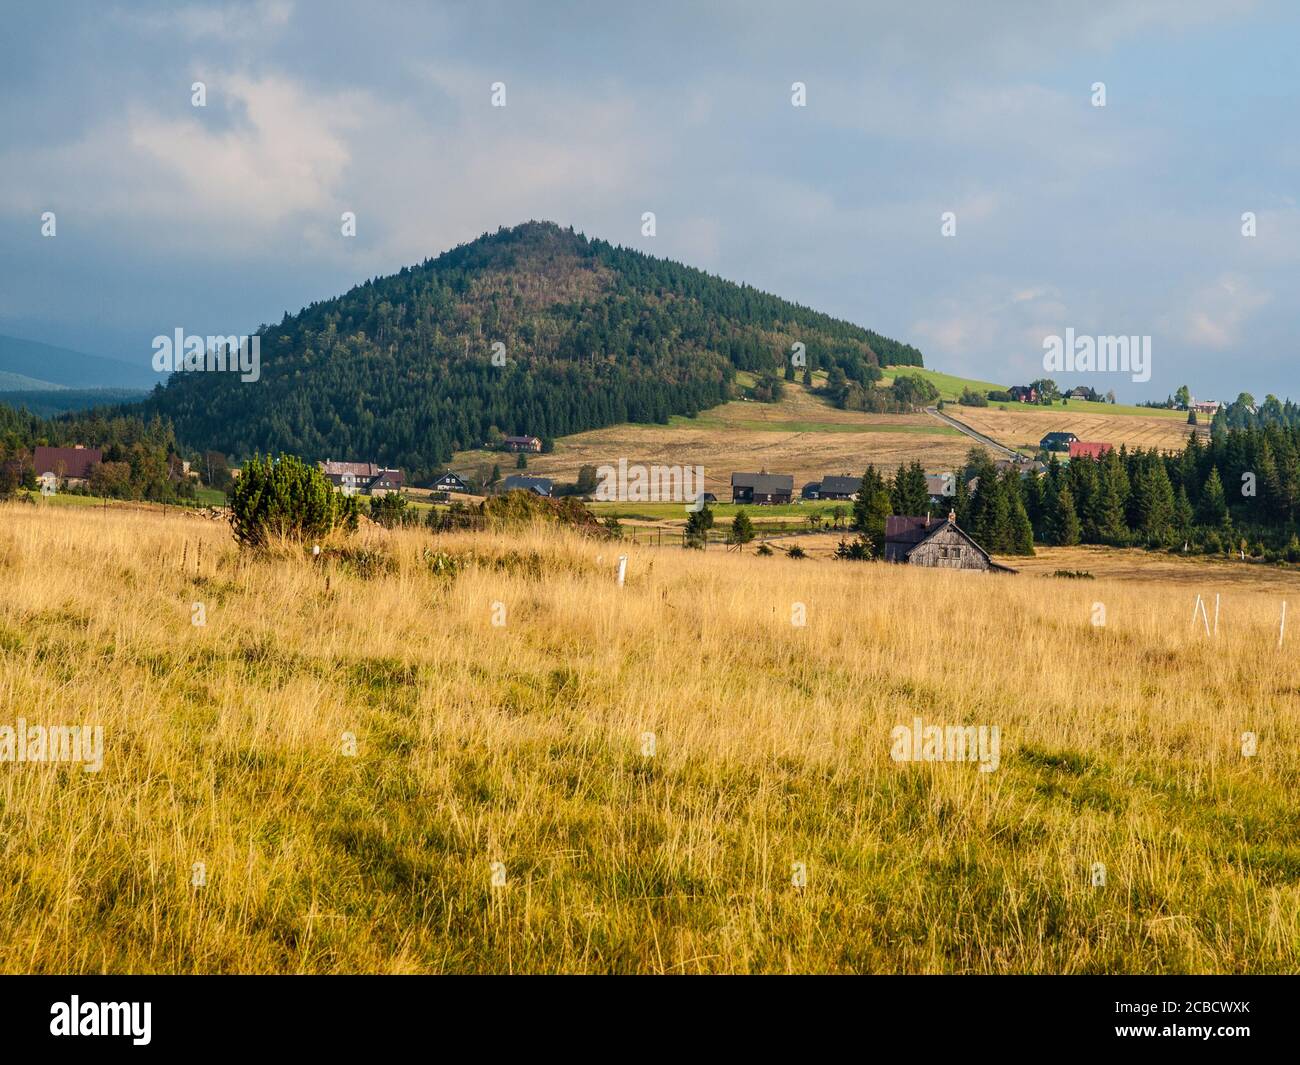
x: 971, y: 398
x: 997, y: 395
x: 795, y: 552
x: 859, y: 550
x: 390, y: 510
x: 763, y: 549
x: 285, y: 499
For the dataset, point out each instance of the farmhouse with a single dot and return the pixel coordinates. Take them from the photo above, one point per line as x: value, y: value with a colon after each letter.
x: 368, y: 478
x: 451, y: 482
x: 522, y: 443
x: 940, y: 485
x: 1082, y: 392
x: 518, y: 482
x: 71, y: 464
x: 937, y: 544
x: 811, y: 490
x: 1057, y: 441
x: 1209, y: 406
x: 841, y: 487
x: 1023, y: 393
x: 761, y: 487
x: 1084, y: 449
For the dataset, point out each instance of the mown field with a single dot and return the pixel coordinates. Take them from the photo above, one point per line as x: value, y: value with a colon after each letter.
x: 803, y: 435
x: 525, y: 744
x: 1023, y: 425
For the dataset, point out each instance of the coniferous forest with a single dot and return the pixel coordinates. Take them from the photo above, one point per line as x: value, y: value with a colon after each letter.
x: 401, y: 369
x: 1237, y: 492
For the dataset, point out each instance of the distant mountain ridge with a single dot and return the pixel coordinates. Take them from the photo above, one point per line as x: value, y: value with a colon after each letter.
x: 534, y: 329
x: 29, y: 365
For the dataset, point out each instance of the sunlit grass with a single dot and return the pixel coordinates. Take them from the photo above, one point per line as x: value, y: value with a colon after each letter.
x: 522, y: 744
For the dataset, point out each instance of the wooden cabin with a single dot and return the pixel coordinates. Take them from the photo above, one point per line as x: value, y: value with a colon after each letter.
x: 935, y: 543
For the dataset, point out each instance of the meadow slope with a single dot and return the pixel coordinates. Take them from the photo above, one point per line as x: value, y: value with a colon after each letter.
x: 522, y: 744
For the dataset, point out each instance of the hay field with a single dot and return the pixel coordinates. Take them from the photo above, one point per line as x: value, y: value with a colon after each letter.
x: 525, y: 744
x: 803, y: 435
x: 1024, y: 426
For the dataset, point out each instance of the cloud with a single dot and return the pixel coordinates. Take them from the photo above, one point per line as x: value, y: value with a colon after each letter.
x: 1218, y: 312
x: 228, y: 22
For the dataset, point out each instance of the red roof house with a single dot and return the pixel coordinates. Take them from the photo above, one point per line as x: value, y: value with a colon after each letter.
x: 1084, y: 449
x: 72, y: 463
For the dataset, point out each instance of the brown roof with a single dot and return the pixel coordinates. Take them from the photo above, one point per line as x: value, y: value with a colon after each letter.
x: 357, y: 469
x: 900, y: 529
x: 67, y: 461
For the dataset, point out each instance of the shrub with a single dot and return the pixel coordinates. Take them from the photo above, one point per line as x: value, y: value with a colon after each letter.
x: 971, y: 398
x: 285, y: 499
x: 859, y: 550
x: 389, y: 510
x: 997, y: 395
x: 795, y: 552
x: 763, y: 549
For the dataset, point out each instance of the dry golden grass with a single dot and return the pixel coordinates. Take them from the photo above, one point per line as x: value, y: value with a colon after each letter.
x: 522, y: 744
x: 802, y: 435
x: 1026, y: 426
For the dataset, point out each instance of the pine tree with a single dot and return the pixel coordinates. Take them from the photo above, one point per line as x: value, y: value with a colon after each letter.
x: 872, y: 506
x: 1214, y: 504
x: 742, y: 529
x: 911, y: 492
x: 1020, y: 540
x: 1183, y: 515
x: 1065, y: 521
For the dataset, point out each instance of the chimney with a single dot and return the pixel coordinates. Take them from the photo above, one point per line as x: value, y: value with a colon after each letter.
x: 952, y: 516
x: 927, y: 519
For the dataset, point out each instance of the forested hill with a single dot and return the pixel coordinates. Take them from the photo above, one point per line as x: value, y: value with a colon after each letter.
x: 400, y: 370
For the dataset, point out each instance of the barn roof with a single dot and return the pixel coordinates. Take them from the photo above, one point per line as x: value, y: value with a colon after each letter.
x: 844, y: 485
x: 764, y: 483
x: 72, y: 462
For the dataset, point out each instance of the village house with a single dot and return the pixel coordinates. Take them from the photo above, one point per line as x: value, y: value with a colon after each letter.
x: 762, y: 488
x: 839, y: 487
x: 1209, y: 406
x: 522, y: 443
x: 1082, y: 392
x: 68, y: 464
x: 1023, y: 393
x: 940, y: 486
x: 366, y: 478
x: 1088, y: 449
x: 518, y: 482
x: 935, y: 543
x: 451, y: 482
x: 1057, y: 441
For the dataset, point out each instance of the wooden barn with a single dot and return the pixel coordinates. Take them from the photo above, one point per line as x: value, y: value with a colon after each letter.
x: 939, y: 544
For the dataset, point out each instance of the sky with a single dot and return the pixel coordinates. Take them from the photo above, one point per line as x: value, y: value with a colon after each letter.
x: 1123, y: 219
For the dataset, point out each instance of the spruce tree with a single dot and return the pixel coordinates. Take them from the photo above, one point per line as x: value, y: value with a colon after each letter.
x: 1214, y: 504
x: 1065, y: 521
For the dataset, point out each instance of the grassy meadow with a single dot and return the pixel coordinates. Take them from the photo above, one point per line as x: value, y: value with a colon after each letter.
x: 525, y: 744
x: 803, y: 435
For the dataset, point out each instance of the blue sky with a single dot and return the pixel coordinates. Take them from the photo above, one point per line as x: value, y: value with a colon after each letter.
x: 1117, y: 220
